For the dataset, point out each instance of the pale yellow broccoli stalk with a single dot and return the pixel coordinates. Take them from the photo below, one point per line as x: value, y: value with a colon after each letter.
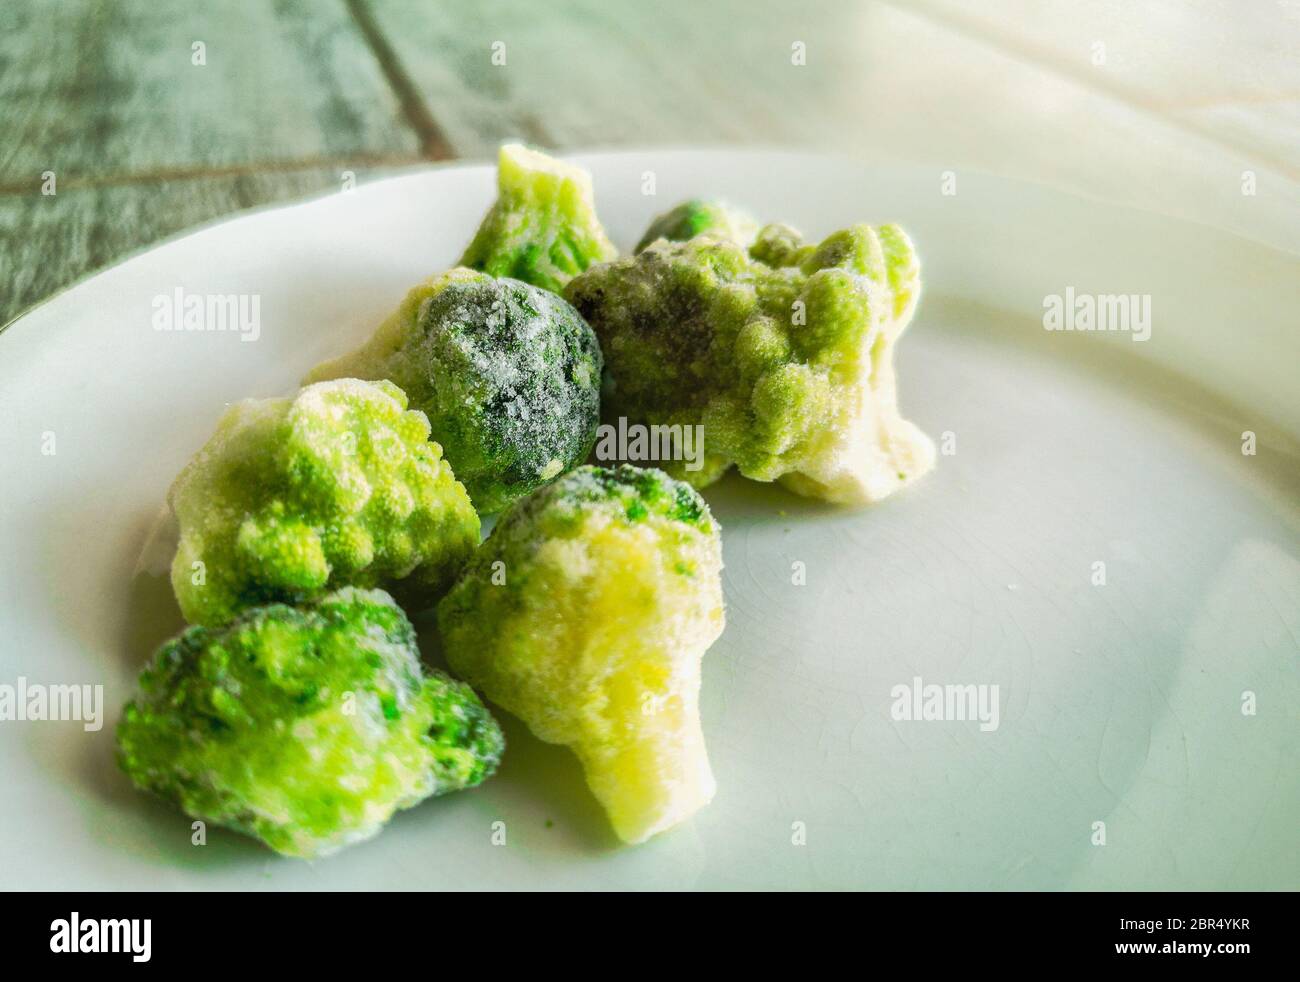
x: 586, y: 613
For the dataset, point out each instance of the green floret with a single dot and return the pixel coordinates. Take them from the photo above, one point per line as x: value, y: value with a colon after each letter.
x: 630, y: 494
x: 783, y: 352
x: 586, y: 613
x: 543, y: 228
x: 305, y: 727
x: 337, y: 486
x: 507, y: 373
x: 696, y: 217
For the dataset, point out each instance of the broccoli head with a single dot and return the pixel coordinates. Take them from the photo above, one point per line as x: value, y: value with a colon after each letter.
x: 307, y: 727
x: 695, y: 217
x: 586, y: 613
x: 293, y: 497
x: 782, y: 352
x: 508, y: 375
x: 543, y: 227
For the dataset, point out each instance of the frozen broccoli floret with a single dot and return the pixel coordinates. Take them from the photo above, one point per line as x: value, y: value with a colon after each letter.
x: 695, y: 217
x: 307, y: 727
x: 543, y: 227
x: 337, y: 486
x: 779, y: 245
x: 586, y: 613
x: 783, y: 353
x: 508, y: 374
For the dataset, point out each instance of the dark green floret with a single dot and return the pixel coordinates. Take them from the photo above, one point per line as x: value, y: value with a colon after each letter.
x: 513, y: 391
x: 507, y: 373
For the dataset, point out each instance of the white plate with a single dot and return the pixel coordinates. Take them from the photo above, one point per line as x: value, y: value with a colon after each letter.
x: 1119, y: 704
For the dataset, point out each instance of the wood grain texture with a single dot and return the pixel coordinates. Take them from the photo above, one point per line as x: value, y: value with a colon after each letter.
x: 49, y: 243
x: 144, y: 144
x: 955, y: 85
x: 1224, y: 71
x: 592, y: 73
x: 1193, y: 95
x: 95, y: 90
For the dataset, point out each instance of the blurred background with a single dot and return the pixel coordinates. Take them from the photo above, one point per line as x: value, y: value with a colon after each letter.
x: 128, y: 121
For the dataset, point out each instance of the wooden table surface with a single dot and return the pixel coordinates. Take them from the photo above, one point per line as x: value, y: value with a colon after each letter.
x: 148, y: 117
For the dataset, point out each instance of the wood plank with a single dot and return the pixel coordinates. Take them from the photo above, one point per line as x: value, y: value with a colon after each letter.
x: 1225, y: 70
x: 94, y: 89
x: 590, y: 73
x: 939, y: 83
x: 51, y: 242
x: 104, y: 93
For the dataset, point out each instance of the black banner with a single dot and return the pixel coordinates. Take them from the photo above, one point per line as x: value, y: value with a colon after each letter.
x: 1176, y: 932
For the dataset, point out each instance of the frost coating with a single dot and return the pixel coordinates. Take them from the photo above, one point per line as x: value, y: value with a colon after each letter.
x: 305, y: 727
x: 784, y: 353
x: 543, y: 227
x: 612, y: 593
x: 696, y: 217
x: 508, y: 374
x: 293, y: 497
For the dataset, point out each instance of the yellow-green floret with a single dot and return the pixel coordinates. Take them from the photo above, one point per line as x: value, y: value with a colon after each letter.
x: 507, y: 373
x: 307, y: 727
x: 336, y: 486
x: 783, y: 352
x: 696, y: 217
x: 543, y: 227
x: 586, y: 613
